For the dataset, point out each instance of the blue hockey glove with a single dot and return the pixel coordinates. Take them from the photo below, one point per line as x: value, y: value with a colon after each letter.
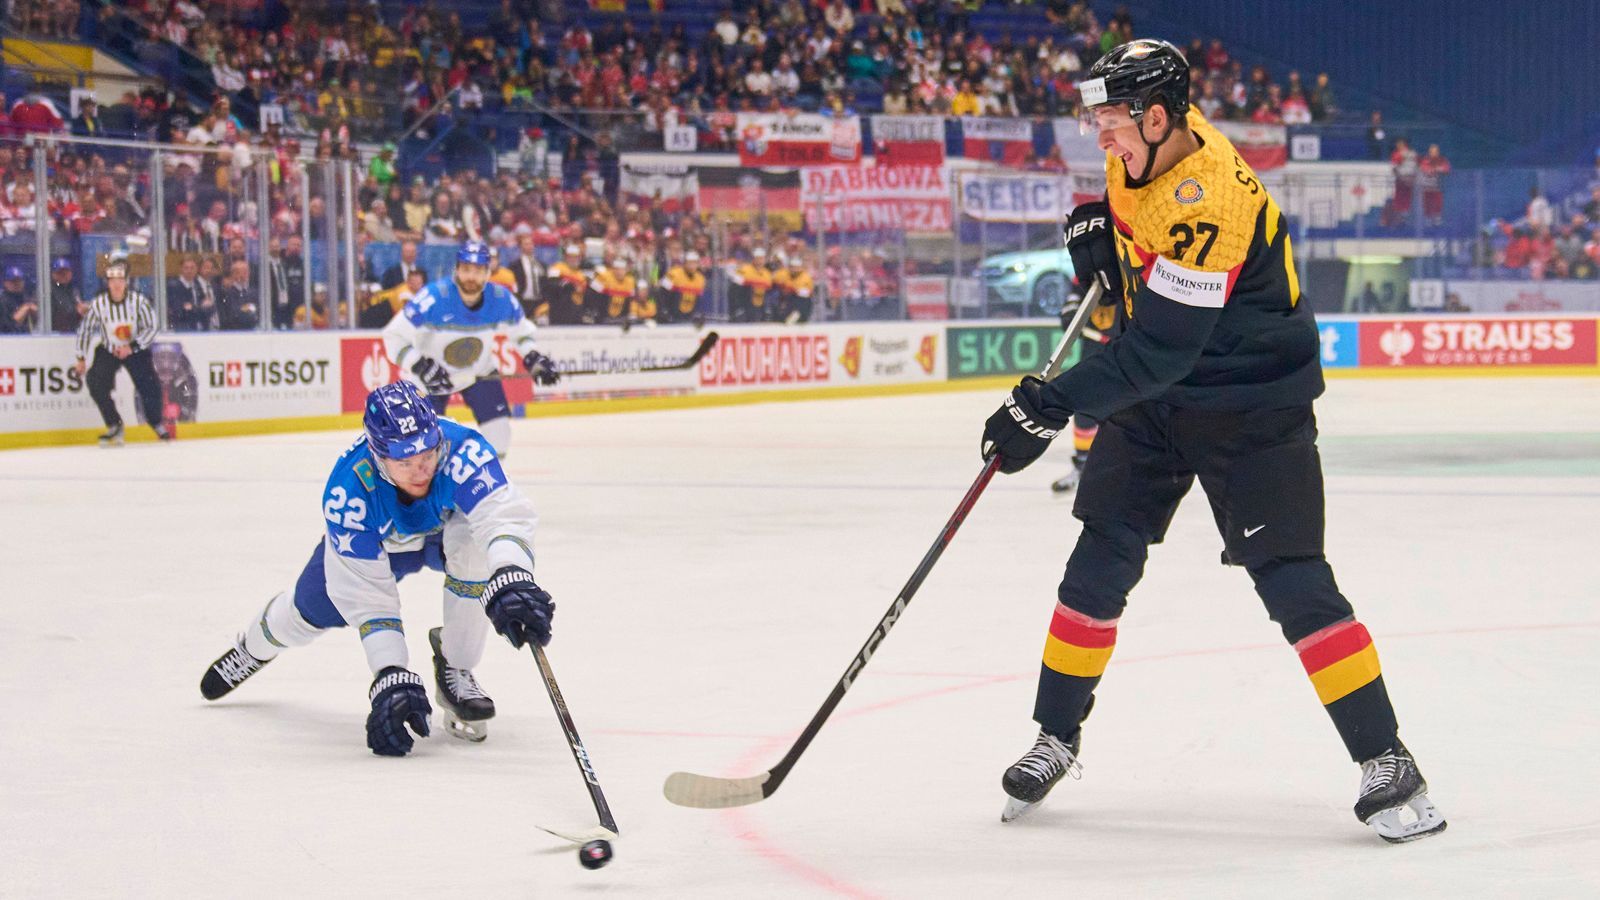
x: 398, y: 700
x: 520, y: 610
x: 541, y: 367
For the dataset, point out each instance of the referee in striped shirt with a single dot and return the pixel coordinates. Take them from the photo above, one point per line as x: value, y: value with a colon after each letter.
x: 119, y: 328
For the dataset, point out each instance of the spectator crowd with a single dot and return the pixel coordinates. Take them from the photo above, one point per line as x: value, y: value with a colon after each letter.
x: 1549, y: 240
x: 343, y: 70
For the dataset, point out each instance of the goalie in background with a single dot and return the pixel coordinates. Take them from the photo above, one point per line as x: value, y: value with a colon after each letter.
x: 413, y: 492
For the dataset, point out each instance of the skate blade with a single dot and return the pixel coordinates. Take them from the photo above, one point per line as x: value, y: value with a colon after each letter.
x: 456, y: 727
x: 1418, y: 818
x: 1016, y: 809
x: 108, y: 443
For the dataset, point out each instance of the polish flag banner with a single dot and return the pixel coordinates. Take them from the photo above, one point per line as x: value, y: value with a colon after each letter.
x: 797, y: 139
x: 1005, y: 141
x: 908, y: 140
x: 1264, y: 147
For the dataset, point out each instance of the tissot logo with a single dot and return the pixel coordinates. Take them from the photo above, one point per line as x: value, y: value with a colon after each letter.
x: 268, y: 373
x: 29, y: 381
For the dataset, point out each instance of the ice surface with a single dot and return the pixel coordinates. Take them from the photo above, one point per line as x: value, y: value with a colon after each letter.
x: 715, y: 570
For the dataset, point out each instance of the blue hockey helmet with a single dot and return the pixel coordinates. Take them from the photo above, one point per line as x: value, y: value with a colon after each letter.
x: 475, y: 252
x: 400, y: 423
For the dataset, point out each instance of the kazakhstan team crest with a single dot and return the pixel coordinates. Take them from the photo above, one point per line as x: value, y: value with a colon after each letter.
x: 463, y: 352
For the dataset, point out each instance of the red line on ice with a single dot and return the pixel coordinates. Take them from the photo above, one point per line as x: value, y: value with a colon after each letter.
x: 744, y: 829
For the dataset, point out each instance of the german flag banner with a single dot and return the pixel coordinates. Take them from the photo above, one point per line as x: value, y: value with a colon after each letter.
x: 738, y: 194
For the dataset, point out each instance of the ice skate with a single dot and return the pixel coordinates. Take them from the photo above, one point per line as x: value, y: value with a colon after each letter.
x: 1394, y: 798
x: 112, y: 437
x: 1028, y: 781
x: 1069, y: 482
x: 164, y: 432
x: 229, y: 671
x: 466, y: 709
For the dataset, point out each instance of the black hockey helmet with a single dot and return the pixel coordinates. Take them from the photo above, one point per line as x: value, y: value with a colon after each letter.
x: 1138, y: 73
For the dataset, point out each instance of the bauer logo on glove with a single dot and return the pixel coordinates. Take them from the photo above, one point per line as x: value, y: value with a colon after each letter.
x: 1023, y: 427
x: 1028, y: 424
x: 1076, y: 230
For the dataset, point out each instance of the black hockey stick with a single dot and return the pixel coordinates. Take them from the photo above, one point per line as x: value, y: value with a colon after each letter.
x: 608, y: 826
x: 706, y: 343
x: 707, y: 792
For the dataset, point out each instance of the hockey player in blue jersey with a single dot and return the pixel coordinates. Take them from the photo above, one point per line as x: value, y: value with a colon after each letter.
x: 413, y: 492
x: 444, y: 341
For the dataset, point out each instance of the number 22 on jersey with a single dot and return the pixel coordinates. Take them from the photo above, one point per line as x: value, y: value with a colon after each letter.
x: 342, y: 509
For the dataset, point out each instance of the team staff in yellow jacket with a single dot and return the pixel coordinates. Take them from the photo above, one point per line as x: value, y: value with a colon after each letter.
x: 794, y: 287
x: 616, y: 285
x: 684, y: 285
x: 566, y: 286
x: 751, y: 283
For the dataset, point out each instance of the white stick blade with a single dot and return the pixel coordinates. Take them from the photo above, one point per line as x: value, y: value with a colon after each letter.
x: 581, y: 836
x: 705, y: 792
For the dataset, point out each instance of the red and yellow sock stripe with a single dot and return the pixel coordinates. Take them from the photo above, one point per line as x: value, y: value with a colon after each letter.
x: 1082, y: 438
x: 1340, y: 660
x: 1078, y: 645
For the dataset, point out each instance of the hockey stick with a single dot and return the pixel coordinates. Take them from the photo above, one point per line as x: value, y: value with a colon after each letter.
x: 608, y: 825
x: 706, y: 343
x: 706, y: 792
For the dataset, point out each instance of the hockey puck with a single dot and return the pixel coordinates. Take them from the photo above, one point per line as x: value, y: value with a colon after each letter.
x: 594, y: 854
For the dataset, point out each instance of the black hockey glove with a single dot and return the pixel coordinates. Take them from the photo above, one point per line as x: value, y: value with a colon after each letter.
x: 398, y: 700
x: 520, y: 610
x: 1093, y: 247
x: 1021, y: 429
x: 433, y: 376
x: 541, y: 367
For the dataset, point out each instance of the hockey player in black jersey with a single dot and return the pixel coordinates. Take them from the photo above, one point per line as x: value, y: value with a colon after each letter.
x: 1211, y: 378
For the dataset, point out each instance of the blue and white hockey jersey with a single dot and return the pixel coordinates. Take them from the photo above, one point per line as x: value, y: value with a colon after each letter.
x: 493, y: 523
x: 436, y: 323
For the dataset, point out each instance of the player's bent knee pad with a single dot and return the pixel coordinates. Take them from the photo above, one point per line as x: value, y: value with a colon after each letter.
x: 1300, y: 594
x: 1105, y: 565
x: 284, y: 624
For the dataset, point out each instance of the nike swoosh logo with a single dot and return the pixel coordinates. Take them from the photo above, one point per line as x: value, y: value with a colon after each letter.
x: 1249, y: 531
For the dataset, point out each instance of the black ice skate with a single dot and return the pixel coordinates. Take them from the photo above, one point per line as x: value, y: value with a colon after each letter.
x: 1068, y: 482
x: 112, y: 437
x: 466, y: 709
x: 1028, y: 781
x: 229, y: 671
x: 163, y: 432
x: 1394, y: 798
